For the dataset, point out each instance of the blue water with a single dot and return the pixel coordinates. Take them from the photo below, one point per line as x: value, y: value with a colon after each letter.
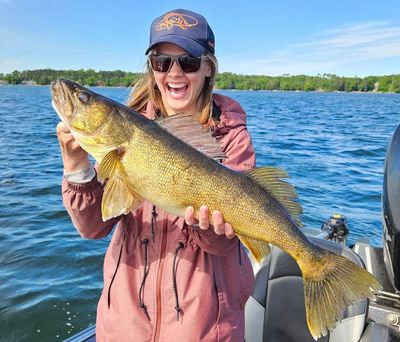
x: 332, y: 145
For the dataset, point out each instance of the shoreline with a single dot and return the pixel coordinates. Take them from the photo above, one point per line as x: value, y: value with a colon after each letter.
x: 233, y: 89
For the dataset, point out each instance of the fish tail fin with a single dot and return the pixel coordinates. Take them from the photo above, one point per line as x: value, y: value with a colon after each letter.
x: 332, y: 287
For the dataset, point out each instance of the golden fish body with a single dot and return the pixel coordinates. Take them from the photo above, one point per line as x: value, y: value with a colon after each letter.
x: 142, y: 160
x: 172, y: 175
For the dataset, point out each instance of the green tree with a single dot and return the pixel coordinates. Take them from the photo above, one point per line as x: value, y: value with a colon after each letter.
x: 395, y: 85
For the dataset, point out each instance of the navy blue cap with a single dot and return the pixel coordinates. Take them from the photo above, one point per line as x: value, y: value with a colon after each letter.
x: 188, y: 30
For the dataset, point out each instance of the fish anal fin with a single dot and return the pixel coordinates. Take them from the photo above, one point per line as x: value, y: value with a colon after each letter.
x: 270, y: 179
x: 260, y: 249
x: 188, y: 129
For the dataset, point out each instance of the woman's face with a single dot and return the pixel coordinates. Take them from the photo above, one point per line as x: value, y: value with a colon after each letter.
x: 180, y: 91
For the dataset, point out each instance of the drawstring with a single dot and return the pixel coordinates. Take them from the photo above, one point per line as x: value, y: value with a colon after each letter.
x: 177, y: 307
x: 240, y: 255
x: 115, y: 273
x: 153, y: 222
x: 145, y: 273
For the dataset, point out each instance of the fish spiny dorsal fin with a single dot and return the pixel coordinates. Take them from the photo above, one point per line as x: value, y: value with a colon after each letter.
x: 269, y: 178
x: 260, y: 249
x: 186, y: 128
x: 119, y: 197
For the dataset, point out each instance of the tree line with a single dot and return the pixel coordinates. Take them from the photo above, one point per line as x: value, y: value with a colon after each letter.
x: 90, y: 77
x: 225, y: 80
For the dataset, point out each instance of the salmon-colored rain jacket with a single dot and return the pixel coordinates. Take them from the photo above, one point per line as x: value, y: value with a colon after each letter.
x: 178, y: 283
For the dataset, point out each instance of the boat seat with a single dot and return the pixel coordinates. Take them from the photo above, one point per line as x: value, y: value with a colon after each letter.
x: 276, y: 312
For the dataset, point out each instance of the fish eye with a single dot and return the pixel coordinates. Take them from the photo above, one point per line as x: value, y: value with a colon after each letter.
x: 83, y: 97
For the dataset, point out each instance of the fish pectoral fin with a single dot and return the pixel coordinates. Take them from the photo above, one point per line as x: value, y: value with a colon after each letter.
x: 108, y: 165
x: 260, y: 249
x: 186, y: 128
x: 270, y: 178
x: 119, y: 196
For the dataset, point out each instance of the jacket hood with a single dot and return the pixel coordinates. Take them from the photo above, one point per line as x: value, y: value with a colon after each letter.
x: 232, y: 114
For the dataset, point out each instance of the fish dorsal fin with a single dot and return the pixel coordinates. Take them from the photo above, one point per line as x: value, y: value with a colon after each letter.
x: 260, y: 249
x: 269, y: 178
x: 186, y: 128
x: 119, y: 197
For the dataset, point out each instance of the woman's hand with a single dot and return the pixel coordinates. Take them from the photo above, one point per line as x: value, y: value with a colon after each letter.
x: 75, y: 158
x: 219, y: 226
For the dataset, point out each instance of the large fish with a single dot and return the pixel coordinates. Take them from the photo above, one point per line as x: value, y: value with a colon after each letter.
x: 145, y: 160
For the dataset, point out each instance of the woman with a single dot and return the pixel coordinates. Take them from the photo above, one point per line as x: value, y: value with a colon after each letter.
x: 169, y: 278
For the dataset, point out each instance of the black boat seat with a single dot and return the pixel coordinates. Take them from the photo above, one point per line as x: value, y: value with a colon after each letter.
x: 276, y: 312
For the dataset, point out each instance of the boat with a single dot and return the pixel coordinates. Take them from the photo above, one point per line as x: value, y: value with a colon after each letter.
x: 275, y: 312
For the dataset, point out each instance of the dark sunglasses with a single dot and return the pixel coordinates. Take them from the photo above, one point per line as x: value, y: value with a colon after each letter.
x: 163, y: 63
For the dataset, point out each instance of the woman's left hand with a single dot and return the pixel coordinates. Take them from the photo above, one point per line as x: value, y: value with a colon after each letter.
x: 220, y: 227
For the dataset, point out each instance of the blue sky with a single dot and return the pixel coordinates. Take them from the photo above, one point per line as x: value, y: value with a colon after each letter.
x: 267, y: 37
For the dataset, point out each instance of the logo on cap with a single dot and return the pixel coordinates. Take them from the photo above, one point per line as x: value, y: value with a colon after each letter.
x: 172, y: 19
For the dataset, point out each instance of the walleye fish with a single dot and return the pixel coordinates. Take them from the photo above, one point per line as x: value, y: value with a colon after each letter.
x: 147, y: 160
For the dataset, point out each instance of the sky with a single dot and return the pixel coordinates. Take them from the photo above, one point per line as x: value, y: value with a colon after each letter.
x: 342, y: 37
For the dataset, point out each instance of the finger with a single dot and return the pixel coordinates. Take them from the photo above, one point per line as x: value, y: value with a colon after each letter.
x: 229, y: 232
x: 64, y: 135
x: 189, y: 216
x: 68, y: 143
x: 62, y: 128
x: 218, y: 222
x: 204, y: 222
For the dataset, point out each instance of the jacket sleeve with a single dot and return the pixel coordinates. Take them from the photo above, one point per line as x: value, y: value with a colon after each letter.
x: 83, y: 204
x: 239, y: 149
x: 212, y: 243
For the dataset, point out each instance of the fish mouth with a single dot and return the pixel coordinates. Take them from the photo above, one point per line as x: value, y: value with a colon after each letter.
x: 61, y: 92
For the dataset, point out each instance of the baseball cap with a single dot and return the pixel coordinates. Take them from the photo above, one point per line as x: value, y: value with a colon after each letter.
x: 187, y: 29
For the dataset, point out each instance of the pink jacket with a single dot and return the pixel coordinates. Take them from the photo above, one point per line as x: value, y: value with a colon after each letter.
x: 178, y: 283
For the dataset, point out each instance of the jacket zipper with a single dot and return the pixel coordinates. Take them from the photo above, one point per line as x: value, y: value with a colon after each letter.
x: 160, y: 276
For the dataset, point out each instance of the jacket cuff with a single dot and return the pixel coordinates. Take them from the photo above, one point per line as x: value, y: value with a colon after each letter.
x: 81, y: 187
x: 81, y: 176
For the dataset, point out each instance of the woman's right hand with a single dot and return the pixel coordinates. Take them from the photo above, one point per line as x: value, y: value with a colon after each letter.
x: 74, y: 157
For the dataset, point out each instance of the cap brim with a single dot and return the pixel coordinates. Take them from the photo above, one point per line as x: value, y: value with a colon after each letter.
x: 191, y: 46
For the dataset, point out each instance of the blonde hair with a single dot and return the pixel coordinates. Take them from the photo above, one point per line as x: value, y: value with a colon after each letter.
x: 146, y: 90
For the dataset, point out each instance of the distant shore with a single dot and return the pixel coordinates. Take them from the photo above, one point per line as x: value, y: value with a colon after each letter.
x: 224, y: 81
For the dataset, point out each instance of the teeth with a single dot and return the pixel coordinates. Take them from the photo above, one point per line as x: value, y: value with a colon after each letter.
x: 176, y: 86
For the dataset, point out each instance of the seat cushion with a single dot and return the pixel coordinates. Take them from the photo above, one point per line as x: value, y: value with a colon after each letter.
x: 279, y: 290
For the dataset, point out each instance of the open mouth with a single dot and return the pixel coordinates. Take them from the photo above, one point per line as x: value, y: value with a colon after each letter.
x: 177, y: 88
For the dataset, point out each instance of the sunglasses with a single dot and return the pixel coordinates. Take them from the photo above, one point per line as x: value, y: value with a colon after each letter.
x: 163, y: 63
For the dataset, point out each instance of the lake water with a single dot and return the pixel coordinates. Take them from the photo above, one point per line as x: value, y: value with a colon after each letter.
x: 332, y: 145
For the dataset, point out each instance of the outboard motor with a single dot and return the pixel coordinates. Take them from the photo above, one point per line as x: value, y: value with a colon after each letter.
x: 337, y: 229
x: 391, y: 210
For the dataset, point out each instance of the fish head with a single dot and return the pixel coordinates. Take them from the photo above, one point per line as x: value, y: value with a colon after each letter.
x: 82, y: 110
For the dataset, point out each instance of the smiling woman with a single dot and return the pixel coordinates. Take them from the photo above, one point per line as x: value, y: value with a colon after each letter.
x: 180, y: 90
x: 177, y: 76
x: 169, y: 278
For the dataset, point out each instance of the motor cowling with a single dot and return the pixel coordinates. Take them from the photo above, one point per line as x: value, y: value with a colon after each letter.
x: 337, y: 228
x: 391, y: 210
